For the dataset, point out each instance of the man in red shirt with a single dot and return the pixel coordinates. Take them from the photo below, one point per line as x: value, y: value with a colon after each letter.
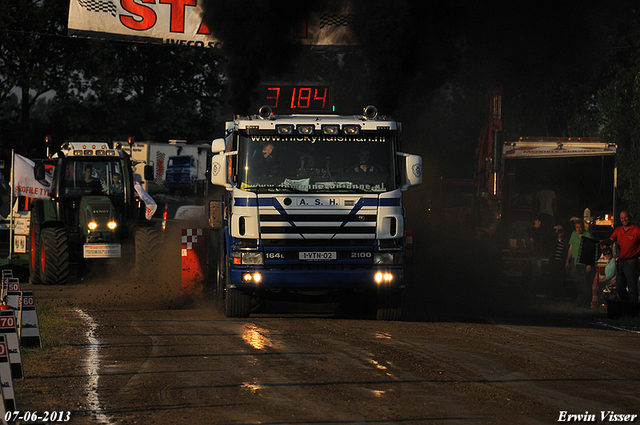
x: 628, y: 238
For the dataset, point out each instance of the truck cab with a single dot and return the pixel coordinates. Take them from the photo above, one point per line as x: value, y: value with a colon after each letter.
x: 313, y: 203
x: 182, y: 173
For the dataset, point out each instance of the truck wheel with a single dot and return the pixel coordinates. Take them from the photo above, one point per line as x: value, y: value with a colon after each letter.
x: 221, y: 273
x: 237, y: 304
x: 34, y: 258
x: 54, y: 256
x: 389, y: 305
x: 148, y: 240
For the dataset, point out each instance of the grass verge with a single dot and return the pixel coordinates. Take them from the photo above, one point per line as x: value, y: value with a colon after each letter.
x: 62, y: 340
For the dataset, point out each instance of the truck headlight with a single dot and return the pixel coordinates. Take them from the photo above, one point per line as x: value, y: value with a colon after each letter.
x: 382, y: 258
x: 381, y: 277
x: 252, y: 258
x: 252, y: 277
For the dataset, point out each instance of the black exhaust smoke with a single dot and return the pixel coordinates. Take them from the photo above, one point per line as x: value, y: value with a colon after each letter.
x: 390, y: 47
x: 406, y: 47
x: 257, y: 39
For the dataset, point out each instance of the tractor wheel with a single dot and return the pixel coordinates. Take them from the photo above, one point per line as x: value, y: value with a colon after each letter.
x: 148, y: 240
x: 54, y: 256
x: 34, y: 257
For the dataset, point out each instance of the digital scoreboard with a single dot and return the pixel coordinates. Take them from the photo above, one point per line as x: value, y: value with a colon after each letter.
x: 296, y: 98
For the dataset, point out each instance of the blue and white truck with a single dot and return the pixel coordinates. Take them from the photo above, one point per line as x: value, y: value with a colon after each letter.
x: 313, y: 205
x: 177, y: 165
x: 183, y: 172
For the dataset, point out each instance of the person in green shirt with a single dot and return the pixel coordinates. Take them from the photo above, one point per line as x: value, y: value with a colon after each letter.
x: 584, y: 273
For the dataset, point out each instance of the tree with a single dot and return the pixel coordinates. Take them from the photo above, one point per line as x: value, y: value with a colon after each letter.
x: 619, y: 106
x: 30, y: 56
x: 150, y: 92
x: 97, y: 89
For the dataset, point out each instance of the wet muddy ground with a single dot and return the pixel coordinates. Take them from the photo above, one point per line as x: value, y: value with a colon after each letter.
x: 463, y: 354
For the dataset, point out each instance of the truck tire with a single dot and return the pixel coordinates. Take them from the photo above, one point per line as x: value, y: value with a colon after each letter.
x: 54, y: 256
x: 221, y: 278
x: 389, y: 305
x: 147, y: 241
x: 237, y: 304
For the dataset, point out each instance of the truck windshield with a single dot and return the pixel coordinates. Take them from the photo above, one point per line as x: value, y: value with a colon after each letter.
x: 179, y: 161
x: 102, y: 177
x: 364, y: 163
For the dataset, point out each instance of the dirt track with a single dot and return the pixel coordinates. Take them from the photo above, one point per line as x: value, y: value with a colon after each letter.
x: 466, y: 352
x: 172, y: 360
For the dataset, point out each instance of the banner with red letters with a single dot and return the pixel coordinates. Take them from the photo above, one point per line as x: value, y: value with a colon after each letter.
x: 180, y: 22
x: 169, y: 22
x: 24, y: 183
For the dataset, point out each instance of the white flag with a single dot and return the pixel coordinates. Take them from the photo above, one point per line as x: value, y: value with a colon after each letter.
x: 151, y: 205
x: 25, y: 184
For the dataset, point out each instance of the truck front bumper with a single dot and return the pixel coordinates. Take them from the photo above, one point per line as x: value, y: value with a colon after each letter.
x: 351, y: 279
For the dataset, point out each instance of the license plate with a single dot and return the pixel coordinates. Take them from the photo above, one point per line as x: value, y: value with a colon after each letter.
x: 102, y: 251
x: 317, y: 256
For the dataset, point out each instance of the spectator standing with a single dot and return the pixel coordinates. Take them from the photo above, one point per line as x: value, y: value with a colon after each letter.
x: 608, y: 280
x: 557, y: 259
x: 628, y: 238
x: 545, y: 206
x: 536, y: 241
x: 584, y: 273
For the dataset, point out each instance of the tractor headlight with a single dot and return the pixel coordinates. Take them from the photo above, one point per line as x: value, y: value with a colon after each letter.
x: 92, y: 225
x: 112, y: 225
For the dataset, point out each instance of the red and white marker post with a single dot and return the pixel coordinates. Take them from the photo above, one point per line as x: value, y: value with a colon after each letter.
x: 6, y: 378
x: 29, y: 331
x: 194, y: 261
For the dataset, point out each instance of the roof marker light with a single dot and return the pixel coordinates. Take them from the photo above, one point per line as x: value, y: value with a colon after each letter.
x: 305, y: 129
x: 284, y: 128
x: 330, y: 129
x: 351, y: 129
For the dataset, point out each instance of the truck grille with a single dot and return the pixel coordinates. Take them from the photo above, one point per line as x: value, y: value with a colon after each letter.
x: 318, y: 226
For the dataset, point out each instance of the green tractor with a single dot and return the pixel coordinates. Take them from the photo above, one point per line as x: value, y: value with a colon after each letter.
x: 94, y: 214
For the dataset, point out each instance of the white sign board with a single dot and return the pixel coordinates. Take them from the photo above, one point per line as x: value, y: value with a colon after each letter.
x: 162, y: 22
x: 180, y: 22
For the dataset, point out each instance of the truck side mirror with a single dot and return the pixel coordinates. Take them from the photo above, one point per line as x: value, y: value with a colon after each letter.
x: 412, y: 170
x: 219, y: 166
x: 217, y: 146
x: 39, y: 171
x: 148, y: 172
